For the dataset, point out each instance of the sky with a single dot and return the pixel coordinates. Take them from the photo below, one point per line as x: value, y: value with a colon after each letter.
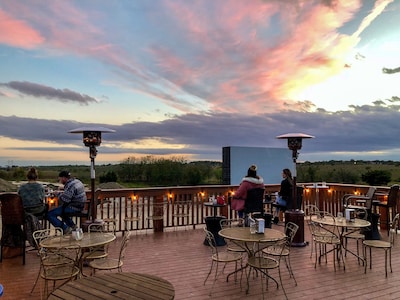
x: 183, y: 79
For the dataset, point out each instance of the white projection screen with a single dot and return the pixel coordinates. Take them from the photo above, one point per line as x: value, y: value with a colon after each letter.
x: 270, y: 163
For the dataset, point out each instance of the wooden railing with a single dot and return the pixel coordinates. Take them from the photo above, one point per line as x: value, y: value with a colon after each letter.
x: 121, y: 204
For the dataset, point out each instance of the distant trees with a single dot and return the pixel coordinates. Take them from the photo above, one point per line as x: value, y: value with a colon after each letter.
x: 110, y: 176
x: 153, y: 171
x: 377, y: 177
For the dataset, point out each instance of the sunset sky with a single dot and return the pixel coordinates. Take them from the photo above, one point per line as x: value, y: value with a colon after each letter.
x: 186, y: 78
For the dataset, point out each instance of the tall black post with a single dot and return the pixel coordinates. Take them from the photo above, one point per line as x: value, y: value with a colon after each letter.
x: 93, y: 204
x: 294, y: 192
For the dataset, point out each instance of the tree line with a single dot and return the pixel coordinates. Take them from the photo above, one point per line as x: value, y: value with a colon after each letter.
x: 153, y: 171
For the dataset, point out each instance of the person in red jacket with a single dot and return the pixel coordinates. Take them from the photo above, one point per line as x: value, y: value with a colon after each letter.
x: 251, y: 181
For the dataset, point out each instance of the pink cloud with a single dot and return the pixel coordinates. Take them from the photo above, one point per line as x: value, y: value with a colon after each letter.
x: 258, y: 70
x: 17, y: 33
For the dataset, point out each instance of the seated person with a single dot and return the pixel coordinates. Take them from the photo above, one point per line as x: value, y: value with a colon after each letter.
x: 71, y: 200
x: 285, y: 194
x: 32, y: 195
x: 251, y: 181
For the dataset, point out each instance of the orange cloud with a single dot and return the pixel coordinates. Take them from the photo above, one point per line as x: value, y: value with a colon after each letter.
x: 17, y: 33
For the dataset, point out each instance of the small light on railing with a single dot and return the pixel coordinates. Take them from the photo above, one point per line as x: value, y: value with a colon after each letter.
x: 51, y: 200
x: 133, y: 197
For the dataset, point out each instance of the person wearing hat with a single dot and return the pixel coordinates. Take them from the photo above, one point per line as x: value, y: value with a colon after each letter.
x: 71, y: 200
x: 251, y: 181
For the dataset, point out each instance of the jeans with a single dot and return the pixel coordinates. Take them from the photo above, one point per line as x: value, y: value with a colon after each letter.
x: 281, y: 203
x: 53, y: 215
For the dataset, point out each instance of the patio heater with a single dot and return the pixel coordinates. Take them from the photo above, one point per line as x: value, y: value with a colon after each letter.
x: 92, y: 139
x: 295, y: 214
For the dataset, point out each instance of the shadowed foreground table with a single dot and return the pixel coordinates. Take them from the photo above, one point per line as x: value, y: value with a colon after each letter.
x: 122, y: 285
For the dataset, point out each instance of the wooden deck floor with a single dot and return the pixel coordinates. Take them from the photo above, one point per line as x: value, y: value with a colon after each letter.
x: 181, y: 258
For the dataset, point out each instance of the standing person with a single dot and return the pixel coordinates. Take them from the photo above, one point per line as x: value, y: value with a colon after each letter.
x: 251, y: 181
x: 285, y: 194
x: 32, y: 195
x: 71, y: 200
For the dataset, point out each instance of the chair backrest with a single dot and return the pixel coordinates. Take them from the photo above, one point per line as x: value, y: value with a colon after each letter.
x: 105, y: 226
x: 157, y: 210
x: 393, y: 228
x: 254, y: 200
x: 63, y: 263
x: 124, y: 245
x: 370, y: 195
x: 182, y: 208
x: 392, y: 197
x: 228, y: 223
x: 211, y: 242
x: 371, y: 192
x: 290, y: 231
x: 310, y: 209
x: 42, y: 234
x: 12, y: 209
x: 133, y: 209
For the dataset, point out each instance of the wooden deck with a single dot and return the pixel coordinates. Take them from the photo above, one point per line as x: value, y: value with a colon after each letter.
x: 181, y: 258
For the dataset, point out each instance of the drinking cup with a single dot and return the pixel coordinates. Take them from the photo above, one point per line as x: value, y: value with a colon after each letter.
x: 340, y: 217
x: 78, y: 234
x: 253, y: 228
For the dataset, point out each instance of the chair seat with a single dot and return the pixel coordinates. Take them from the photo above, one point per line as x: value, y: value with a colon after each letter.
x: 181, y: 215
x: 327, y: 239
x: 377, y: 243
x: 54, y: 260
x: 274, y: 251
x: 60, y: 272
x: 106, y: 263
x: 236, y: 248
x: 155, y: 218
x: 227, y: 256
x: 354, y: 235
x: 96, y: 254
x: 132, y: 219
x: 380, y: 203
x: 263, y: 262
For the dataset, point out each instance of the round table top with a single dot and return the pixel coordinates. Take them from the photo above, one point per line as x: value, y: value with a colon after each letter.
x: 90, y: 239
x: 121, y: 285
x: 243, y: 234
x: 358, y: 223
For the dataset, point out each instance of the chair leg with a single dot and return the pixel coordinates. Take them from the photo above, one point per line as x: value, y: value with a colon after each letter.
x: 365, y: 258
x: 37, y: 279
x: 370, y: 258
x: 209, y: 272
x: 385, y: 263
x: 289, y: 266
x: 387, y: 220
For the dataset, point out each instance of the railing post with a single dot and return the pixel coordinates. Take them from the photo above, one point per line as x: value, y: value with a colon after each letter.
x: 158, y: 213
